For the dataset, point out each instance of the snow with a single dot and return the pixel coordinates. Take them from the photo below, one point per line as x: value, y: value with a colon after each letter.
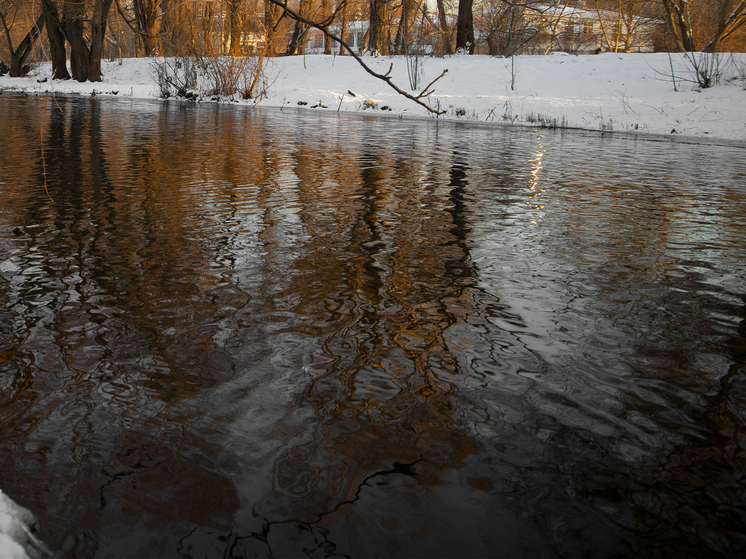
x: 16, y: 539
x: 636, y: 93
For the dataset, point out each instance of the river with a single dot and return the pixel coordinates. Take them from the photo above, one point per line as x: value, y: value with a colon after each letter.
x: 228, y: 332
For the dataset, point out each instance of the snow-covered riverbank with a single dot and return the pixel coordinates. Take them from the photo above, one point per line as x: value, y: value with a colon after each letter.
x: 16, y: 538
x: 621, y: 92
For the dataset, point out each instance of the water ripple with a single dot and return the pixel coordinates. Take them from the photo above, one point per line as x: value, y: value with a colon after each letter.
x: 275, y: 331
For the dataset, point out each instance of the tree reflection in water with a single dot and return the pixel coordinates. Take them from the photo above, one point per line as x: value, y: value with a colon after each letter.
x: 243, y: 333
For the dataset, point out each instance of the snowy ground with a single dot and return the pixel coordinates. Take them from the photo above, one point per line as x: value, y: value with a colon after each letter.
x: 637, y: 93
x: 16, y: 538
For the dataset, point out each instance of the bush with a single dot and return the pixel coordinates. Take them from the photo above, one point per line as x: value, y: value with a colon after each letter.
x: 211, y: 76
x: 175, y: 76
x: 704, y: 68
x: 228, y: 75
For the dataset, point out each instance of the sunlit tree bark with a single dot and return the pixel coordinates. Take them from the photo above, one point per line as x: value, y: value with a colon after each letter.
x: 19, y: 55
x: 326, y: 18
x: 234, y: 27
x: 147, y: 14
x: 703, y: 24
x: 406, y: 21
x: 297, y: 40
x: 343, y: 26
x: 208, y: 20
x: 271, y: 20
x: 144, y: 18
x: 626, y: 24
x: 677, y: 16
x: 379, y: 39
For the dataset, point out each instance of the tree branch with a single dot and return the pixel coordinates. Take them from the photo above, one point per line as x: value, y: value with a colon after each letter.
x: 383, y: 77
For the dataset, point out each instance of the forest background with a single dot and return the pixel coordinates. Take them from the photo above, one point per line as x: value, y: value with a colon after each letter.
x: 84, y: 32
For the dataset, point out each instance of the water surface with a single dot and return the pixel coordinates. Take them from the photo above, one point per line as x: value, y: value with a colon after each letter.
x: 237, y: 333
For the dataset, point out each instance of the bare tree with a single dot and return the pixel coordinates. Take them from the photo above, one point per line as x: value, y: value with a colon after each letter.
x: 326, y: 18
x: 234, y: 27
x: 9, y: 12
x: 143, y: 17
x: 444, y: 27
x: 409, y: 9
x: 626, y: 24
x: 703, y: 24
x: 297, y: 40
x: 82, y: 24
x: 56, y: 35
x: 272, y: 13
x: 379, y: 38
x: 508, y: 26
x: 343, y: 9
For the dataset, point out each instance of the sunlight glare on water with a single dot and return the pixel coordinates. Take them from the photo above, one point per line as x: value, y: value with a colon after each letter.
x: 238, y: 333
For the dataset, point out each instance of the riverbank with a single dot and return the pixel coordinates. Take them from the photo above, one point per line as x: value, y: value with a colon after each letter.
x: 16, y: 538
x: 638, y: 93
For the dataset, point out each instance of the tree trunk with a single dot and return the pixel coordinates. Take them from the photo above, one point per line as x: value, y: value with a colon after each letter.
x: 207, y: 29
x: 147, y: 21
x: 325, y: 16
x: 80, y: 56
x: 98, y: 38
x: 270, y: 20
x: 85, y: 60
x: 408, y: 11
x: 443, y: 20
x: 19, y: 56
x: 378, y: 38
x: 234, y: 22
x: 492, y: 45
x: 730, y: 20
x: 677, y: 12
x: 56, y: 36
x: 465, y: 26
x: 297, y: 44
x: 343, y: 28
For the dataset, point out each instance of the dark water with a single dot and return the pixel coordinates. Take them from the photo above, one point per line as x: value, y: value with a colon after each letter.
x: 237, y: 333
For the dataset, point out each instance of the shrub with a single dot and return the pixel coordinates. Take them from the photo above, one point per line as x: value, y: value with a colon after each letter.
x: 175, y: 76
x: 211, y: 76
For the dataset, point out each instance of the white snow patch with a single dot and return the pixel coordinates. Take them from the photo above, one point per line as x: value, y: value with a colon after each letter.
x: 16, y: 539
x: 619, y: 92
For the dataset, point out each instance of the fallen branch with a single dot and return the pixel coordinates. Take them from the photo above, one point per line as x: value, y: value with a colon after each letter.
x: 384, y: 77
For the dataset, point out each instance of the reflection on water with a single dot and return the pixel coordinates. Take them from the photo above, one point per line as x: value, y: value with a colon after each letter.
x: 240, y: 333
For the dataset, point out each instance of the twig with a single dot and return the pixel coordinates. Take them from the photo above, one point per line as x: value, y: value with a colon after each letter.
x: 661, y: 111
x: 625, y: 104
x: 673, y: 75
x: 43, y: 162
x: 54, y: 97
